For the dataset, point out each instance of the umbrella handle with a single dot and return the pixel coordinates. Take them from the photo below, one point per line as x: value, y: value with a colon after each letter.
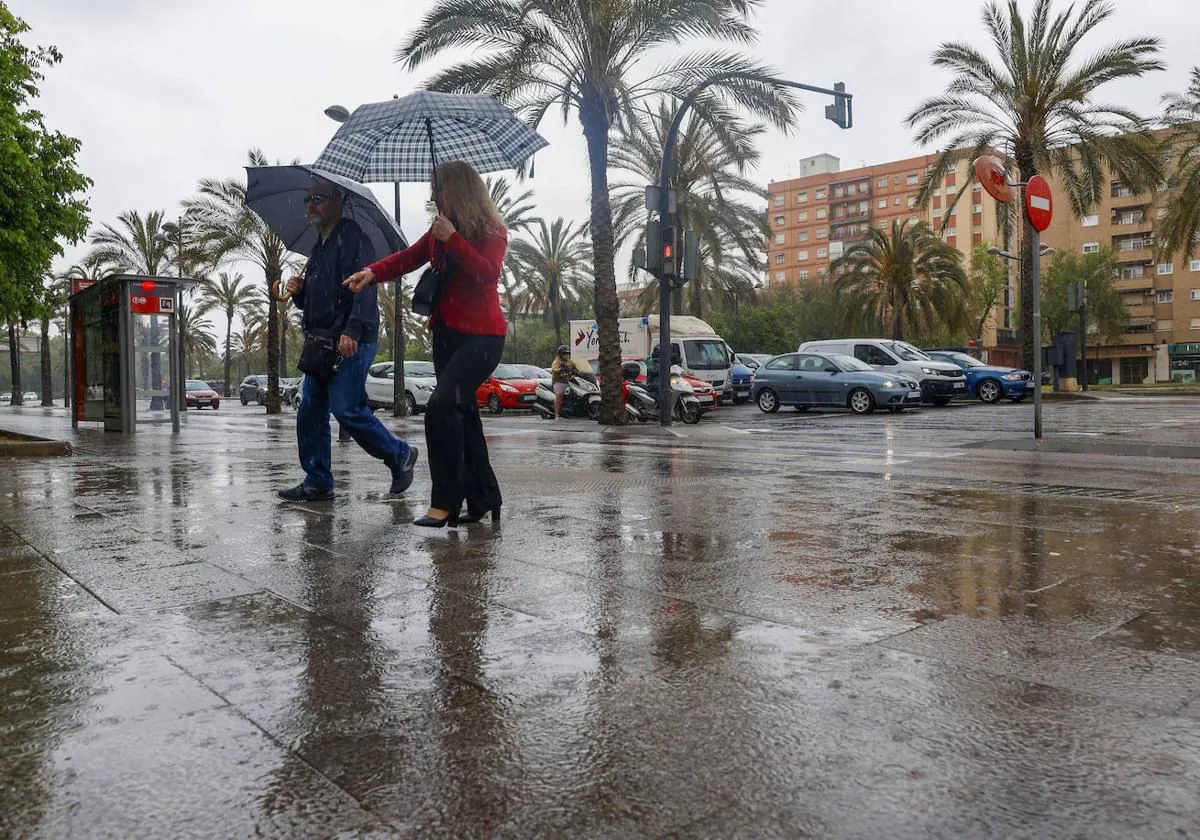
x: 286, y: 296
x: 433, y: 159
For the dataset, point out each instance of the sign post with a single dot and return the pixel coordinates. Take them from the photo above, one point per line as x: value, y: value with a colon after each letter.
x: 1039, y: 208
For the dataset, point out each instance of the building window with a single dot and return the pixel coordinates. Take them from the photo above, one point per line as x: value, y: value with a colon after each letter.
x: 883, y: 204
x: 822, y: 253
x: 779, y: 220
x: 937, y: 212
x: 802, y: 197
x: 864, y: 206
x: 780, y: 238
x: 803, y: 275
x: 882, y: 183
x: 801, y: 256
x: 838, y: 192
x: 803, y: 236
x: 1196, y: 323
x: 780, y: 276
x: 1194, y: 265
x: 1166, y: 326
x: 977, y: 188
x: 1195, y: 294
x: 1167, y: 296
x: 779, y: 258
x: 911, y: 180
x: 822, y: 233
x: 896, y: 201
x: 976, y: 208
x: 1090, y: 221
x: 822, y: 213
x: 912, y: 202
x: 802, y: 216
x: 821, y: 194
x: 1091, y: 247
x: 951, y: 232
x: 1166, y: 268
x: 778, y: 201
x: 1134, y: 370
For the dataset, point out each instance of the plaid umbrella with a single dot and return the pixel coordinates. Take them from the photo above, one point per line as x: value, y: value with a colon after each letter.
x: 402, y: 139
x: 276, y: 195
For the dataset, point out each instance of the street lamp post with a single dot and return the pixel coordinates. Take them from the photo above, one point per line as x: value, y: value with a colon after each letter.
x: 841, y: 113
x: 339, y: 114
x: 1042, y: 251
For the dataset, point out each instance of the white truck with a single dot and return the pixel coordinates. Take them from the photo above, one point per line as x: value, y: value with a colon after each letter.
x: 702, y: 353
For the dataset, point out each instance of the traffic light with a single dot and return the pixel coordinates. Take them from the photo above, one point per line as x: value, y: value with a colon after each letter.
x: 839, y: 112
x: 691, y: 257
x: 668, y: 252
x: 653, y: 247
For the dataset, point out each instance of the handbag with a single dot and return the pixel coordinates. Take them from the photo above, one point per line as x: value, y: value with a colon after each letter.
x: 428, y: 290
x: 320, y: 356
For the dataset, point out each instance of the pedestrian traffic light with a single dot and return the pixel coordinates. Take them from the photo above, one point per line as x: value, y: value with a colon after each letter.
x: 653, y: 247
x: 839, y: 111
x: 639, y: 258
x: 668, y: 252
x: 691, y: 257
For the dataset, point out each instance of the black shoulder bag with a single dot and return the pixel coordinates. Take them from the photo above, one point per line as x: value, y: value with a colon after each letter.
x: 320, y: 356
x: 429, y: 288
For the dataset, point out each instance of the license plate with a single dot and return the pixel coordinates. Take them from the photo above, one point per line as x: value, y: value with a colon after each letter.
x: 914, y: 395
x: 705, y: 399
x: 960, y: 384
x: 528, y: 397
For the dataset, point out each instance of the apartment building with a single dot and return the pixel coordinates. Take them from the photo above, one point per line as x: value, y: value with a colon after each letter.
x: 1162, y: 299
x: 815, y: 216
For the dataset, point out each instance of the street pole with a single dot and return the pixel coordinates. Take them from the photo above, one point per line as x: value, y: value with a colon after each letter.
x: 399, y: 400
x: 1037, y: 335
x: 1083, y: 373
x: 666, y: 214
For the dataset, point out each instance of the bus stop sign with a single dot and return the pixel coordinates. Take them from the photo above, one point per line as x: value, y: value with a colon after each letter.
x: 1039, y: 206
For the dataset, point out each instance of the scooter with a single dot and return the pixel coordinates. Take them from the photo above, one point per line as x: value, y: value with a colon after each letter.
x: 581, y: 399
x: 641, y: 405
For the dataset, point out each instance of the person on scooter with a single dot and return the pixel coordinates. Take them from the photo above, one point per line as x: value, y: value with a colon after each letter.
x: 563, y: 370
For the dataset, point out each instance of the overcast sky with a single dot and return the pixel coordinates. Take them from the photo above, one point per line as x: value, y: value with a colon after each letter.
x: 164, y: 92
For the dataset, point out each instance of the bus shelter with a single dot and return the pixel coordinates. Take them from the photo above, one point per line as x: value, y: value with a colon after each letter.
x: 127, y: 364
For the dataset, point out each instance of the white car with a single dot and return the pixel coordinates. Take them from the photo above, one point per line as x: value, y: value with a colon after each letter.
x: 539, y: 375
x: 6, y: 398
x: 31, y: 398
x: 419, y: 382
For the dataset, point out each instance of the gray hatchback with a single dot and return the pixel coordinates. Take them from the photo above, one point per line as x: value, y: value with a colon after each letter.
x: 812, y: 379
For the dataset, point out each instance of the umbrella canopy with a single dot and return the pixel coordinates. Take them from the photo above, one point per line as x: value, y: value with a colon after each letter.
x: 390, y: 141
x: 276, y: 194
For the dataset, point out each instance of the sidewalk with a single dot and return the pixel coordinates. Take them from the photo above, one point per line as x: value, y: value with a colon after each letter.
x: 775, y: 626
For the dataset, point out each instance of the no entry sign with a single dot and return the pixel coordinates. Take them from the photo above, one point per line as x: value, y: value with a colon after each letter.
x: 1039, y: 206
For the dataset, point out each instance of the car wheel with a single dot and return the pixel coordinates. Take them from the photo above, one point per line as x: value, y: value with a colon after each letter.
x: 990, y: 391
x: 861, y: 401
x: 493, y: 404
x: 941, y: 401
x: 410, y: 404
x: 244, y: 400
x: 768, y: 402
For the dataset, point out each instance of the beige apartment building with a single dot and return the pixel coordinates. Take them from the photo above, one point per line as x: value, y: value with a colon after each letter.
x: 813, y: 216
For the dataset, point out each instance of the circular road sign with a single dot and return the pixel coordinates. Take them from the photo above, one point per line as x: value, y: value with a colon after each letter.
x: 1039, y: 206
x: 989, y: 171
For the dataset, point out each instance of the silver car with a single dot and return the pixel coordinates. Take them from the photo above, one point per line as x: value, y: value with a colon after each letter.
x: 810, y: 379
x: 419, y: 382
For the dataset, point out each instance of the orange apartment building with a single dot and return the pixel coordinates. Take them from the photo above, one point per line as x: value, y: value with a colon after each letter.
x: 814, y: 216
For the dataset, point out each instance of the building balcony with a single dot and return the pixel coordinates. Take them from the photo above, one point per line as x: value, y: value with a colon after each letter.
x: 1140, y: 311
x: 1144, y: 283
x: 1144, y: 338
x: 1140, y: 254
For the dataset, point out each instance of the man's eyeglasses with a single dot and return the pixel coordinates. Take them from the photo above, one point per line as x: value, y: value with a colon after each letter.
x: 317, y: 199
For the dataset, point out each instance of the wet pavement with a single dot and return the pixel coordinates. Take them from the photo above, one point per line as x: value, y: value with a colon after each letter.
x: 795, y: 625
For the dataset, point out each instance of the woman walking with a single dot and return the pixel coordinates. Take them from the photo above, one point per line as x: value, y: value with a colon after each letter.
x: 466, y: 244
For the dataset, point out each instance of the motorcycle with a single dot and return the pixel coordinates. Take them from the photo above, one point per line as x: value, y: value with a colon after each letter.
x: 642, y: 405
x: 581, y: 399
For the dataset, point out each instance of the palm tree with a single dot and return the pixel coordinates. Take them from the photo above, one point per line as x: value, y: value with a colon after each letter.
x: 232, y: 231
x: 196, y: 333
x: 590, y: 58
x: 716, y: 199
x: 552, y: 266
x: 1037, y: 109
x: 246, y: 343
x: 907, y: 276
x: 230, y: 296
x: 1179, y: 230
x: 517, y: 212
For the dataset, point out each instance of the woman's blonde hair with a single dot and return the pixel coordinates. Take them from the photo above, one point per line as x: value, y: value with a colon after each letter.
x: 464, y: 198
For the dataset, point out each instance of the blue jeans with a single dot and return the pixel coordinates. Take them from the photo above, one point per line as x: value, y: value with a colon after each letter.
x: 345, y: 396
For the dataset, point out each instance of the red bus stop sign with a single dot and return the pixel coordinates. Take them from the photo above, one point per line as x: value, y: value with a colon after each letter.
x: 1039, y: 206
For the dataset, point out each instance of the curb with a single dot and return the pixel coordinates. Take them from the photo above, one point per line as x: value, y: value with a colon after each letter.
x: 27, y: 446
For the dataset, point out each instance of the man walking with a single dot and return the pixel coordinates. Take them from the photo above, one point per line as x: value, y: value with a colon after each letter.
x: 330, y: 308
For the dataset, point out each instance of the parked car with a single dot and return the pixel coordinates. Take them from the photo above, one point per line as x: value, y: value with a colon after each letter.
x: 253, y: 389
x: 940, y: 381
x: 989, y: 383
x: 199, y: 395
x: 537, y: 374
x: 703, y: 391
x: 31, y: 398
x: 741, y: 376
x: 292, y: 391
x: 811, y: 379
x: 6, y: 398
x: 419, y: 384
x: 507, y: 387
x: 752, y: 360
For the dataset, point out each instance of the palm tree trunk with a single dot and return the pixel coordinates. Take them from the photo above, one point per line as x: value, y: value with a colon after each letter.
x: 14, y: 362
x: 47, y: 370
x: 594, y: 119
x: 228, y: 342
x: 273, y: 405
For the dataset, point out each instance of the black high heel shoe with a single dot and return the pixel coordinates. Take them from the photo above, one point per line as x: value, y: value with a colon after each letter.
x: 471, y: 517
x: 428, y: 521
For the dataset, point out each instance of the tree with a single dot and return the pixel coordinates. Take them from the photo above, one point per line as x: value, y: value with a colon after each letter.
x: 553, y: 267
x: 989, y: 279
x: 1179, y: 230
x: 1036, y: 108
x: 906, y: 278
x: 196, y: 334
x: 517, y: 212
x: 1106, y: 312
x: 227, y: 226
x: 779, y: 320
x: 715, y: 197
x: 231, y: 297
x: 39, y: 180
x: 589, y: 58
x: 52, y: 300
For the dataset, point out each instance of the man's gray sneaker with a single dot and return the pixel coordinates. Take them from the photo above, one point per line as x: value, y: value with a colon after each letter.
x: 402, y: 475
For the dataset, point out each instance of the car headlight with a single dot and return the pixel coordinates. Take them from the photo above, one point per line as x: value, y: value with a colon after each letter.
x: 890, y: 384
x: 1013, y: 377
x: 508, y: 389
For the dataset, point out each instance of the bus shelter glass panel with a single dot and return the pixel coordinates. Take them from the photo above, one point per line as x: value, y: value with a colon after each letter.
x: 153, y: 346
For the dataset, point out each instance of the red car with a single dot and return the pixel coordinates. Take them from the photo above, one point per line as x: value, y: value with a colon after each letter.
x: 507, y: 387
x: 703, y: 391
x: 200, y: 395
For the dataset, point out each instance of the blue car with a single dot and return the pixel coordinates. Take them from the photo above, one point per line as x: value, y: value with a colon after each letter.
x: 742, y: 378
x: 810, y: 379
x: 988, y: 382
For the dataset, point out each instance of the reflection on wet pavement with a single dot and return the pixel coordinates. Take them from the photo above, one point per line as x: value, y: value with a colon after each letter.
x: 770, y: 627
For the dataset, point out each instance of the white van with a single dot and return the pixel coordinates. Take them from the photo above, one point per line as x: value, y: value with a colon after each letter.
x: 941, y: 382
